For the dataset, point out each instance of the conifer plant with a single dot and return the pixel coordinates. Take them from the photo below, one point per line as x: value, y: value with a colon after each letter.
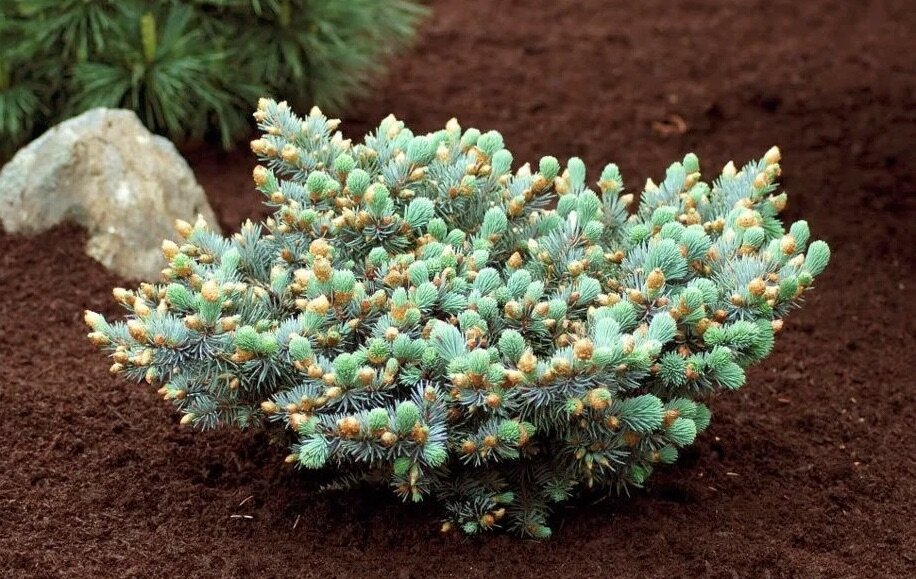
x: 188, y: 68
x: 418, y: 314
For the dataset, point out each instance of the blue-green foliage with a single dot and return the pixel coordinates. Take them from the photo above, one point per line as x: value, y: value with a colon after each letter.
x: 414, y: 311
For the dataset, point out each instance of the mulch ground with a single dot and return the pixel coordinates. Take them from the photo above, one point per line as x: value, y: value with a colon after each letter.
x: 809, y: 471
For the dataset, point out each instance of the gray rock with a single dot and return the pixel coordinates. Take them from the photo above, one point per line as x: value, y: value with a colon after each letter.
x: 106, y: 171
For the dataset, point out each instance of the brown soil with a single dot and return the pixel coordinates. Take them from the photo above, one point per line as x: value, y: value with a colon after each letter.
x: 809, y: 471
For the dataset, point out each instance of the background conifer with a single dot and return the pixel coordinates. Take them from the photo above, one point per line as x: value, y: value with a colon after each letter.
x: 187, y: 67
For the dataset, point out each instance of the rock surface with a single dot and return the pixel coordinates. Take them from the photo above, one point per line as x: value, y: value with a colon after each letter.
x: 107, y: 172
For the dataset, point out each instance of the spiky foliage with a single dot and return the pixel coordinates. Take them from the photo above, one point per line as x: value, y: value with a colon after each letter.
x: 414, y: 312
x: 187, y: 67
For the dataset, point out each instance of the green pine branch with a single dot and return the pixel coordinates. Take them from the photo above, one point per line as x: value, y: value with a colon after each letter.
x: 189, y: 68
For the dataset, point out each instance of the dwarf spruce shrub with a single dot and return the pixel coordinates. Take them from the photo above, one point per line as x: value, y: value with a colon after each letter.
x: 419, y: 314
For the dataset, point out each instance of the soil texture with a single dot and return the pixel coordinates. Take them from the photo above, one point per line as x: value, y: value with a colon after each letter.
x: 808, y: 471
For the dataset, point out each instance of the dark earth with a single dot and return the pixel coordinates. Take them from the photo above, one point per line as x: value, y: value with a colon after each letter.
x: 809, y: 471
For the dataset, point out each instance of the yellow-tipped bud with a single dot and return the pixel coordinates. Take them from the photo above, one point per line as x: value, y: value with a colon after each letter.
x: 598, y: 398
x: 137, y: 330
x: 366, y: 376
x: 183, y: 228
x: 259, y: 146
x: 141, y: 309
x: 210, y: 290
x: 773, y: 155
x: 583, y: 349
x: 319, y: 305
x: 655, y: 280
x: 515, y: 260
x: 260, y: 175
x: 787, y: 244
x: 757, y: 286
x: 169, y: 249
x: 322, y: 268
x: 747, y: 218
x: 561, y: 365
x: 93, y: 320
x: 200, y: 222
x: 514, y: 377
x: 320, y: 247
x: 779, y: 202
x: 348, y: 426
x: 388, y: 439
x: 527, y: 362
x: 290, y: 153
x: 122, y: 295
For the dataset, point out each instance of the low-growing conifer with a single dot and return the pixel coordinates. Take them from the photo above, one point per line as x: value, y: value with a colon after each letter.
x: 422, y: 312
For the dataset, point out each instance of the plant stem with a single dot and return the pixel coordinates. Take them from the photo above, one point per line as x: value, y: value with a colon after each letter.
x: 4, y: 75
x: 286, y: 14
x: 148, y: 36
